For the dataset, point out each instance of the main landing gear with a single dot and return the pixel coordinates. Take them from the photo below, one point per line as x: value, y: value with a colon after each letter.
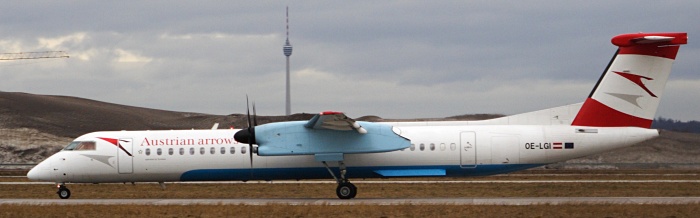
x: 345, y: 189
x: 63, y: 192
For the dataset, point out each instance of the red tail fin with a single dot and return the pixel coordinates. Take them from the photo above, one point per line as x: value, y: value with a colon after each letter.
x: 629, y: 90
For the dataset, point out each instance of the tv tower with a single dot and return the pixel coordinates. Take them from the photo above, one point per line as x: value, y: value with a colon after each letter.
x: 288, y: 52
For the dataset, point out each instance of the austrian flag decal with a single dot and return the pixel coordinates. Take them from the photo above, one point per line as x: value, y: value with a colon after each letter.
x: 565, y: 145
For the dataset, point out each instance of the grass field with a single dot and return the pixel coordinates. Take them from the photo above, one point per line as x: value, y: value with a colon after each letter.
x: 107, y: 211
x: 151, y: 190
x: 373, y: 190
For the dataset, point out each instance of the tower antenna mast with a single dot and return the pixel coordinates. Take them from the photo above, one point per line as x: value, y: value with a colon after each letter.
x: 287, y: 49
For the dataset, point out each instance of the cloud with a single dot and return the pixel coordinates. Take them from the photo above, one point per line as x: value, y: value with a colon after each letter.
x: 391, y: 58
x: 124, y: 56
x: 61, y: 42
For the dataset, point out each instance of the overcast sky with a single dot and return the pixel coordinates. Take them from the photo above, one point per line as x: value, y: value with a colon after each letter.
x: 394, y: 59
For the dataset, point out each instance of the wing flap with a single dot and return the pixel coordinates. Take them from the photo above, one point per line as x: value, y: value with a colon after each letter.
x: 332, y: 120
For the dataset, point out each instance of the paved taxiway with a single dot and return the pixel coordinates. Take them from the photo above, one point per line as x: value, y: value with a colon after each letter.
x: 404, y: 182
x: 361, y: 201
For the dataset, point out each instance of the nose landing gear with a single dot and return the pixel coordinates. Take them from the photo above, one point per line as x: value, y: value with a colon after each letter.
x: 63, y: 192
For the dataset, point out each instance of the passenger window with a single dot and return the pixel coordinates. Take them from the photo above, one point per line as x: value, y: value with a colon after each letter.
x: 223, y: 150
x: 442, y: 146
x: 170, y: 151
x: 453, y: 146
x: 413, y: 147
x: 422, y: 146
x: 148, y: 152
x: 159, y: 151
x: 182, y: 151
x: 432, y: 146
x: 243, y: 150
x: 191, y: 151
x: 201, y: 150
x: 233, y: 150
x: 212, y: 150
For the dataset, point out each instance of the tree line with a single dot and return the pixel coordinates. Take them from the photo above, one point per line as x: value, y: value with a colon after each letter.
x: 676, y: 125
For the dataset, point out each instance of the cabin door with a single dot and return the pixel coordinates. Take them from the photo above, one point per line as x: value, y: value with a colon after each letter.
x: 125, y: 158
x: 467, y: 149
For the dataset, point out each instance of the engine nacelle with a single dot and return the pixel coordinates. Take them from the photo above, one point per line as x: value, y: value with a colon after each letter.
x: 293, y: 138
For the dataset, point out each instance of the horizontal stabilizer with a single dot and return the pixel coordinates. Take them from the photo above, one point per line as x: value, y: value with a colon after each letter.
x: 627, y: 40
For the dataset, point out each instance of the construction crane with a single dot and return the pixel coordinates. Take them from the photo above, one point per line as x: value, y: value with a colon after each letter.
x: 32, y: 55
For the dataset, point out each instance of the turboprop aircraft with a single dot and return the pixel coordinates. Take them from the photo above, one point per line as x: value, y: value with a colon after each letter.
x: 617, y: 113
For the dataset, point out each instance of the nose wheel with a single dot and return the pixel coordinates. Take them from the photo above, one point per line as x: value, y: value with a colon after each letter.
x: 63, y: 192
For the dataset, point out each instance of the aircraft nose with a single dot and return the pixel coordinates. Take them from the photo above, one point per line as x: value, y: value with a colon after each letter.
x: 39, y: 173
x: 33, y: 174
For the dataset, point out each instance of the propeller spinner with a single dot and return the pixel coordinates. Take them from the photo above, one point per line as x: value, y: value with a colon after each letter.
x: 245, y: 136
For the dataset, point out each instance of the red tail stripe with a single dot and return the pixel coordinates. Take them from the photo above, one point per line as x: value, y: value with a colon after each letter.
x: 594, y: 113
x: 635, y: 39
x: 669, y: 52
x: 629, y: 44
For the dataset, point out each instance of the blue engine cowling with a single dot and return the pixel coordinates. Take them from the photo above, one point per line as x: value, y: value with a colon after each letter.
x: 293, y: 138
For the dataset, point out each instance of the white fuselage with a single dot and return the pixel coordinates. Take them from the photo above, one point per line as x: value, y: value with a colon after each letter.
x: 438, y: 149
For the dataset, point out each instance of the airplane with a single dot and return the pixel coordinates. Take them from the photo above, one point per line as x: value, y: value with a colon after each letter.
x: 617, y: 113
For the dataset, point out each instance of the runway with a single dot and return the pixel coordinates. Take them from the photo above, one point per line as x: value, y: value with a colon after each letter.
x: 404, y: 182
x: 364, y: 201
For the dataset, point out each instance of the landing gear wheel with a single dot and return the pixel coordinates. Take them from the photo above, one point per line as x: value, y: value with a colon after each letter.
x: 354, y: 190
x: 63, y: 192
x: 346, y: 190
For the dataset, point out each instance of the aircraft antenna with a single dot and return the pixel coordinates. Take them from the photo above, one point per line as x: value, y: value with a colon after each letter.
x: 32, y: 55
x: 287, y: 49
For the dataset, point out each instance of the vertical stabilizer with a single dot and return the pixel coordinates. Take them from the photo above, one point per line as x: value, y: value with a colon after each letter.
x: 628, y: 92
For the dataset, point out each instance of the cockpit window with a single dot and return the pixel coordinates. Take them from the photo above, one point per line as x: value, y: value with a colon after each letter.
x: 80, y: 146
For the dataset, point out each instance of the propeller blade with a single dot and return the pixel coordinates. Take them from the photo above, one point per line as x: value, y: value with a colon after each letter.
x: 247, y: 105
x: 255, y: 123
x: 250, y: 151
x: 255, y: 116
x: 248, y: 135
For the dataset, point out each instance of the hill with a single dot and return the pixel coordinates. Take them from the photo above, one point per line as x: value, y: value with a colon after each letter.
x: 71, y: 117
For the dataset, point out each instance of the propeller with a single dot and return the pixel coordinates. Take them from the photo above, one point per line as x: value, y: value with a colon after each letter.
x: 252, y: 134
x: 248, y: 135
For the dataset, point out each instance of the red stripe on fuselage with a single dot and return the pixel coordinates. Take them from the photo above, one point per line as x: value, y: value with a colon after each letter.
x: 594, y: 113
x: 115, y: 142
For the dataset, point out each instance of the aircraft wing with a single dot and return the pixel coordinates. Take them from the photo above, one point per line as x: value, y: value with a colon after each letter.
x: 328, y: 136
x: 332, y: 120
